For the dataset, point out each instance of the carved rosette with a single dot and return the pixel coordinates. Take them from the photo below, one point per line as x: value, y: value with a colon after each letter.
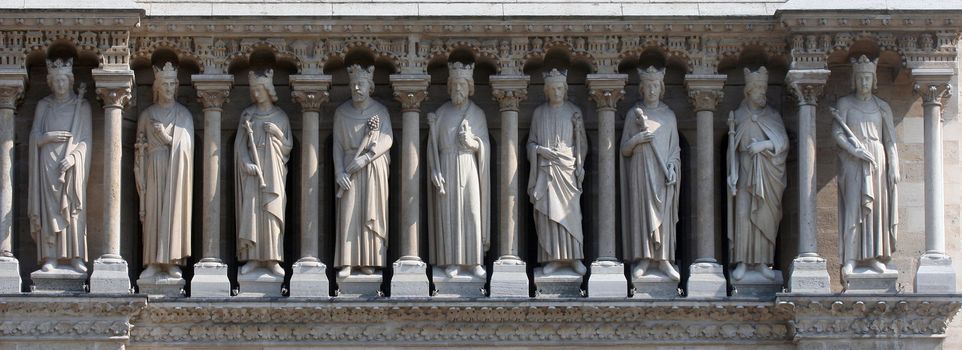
x: 509, y: 99
x: 606, y: 99
x: 213, y: 99
x: 310, y: 101
x: 410, y: 99
x: 933, y: 93
x: 705, y: 99
x: 10, y: 96
x: 114, y: 97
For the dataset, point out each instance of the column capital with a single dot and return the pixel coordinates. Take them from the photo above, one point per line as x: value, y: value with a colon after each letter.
x: 213, y: 90
x: 606, y: 89
x: 114, y: 87
x: 509, y: 90
x: 310, y: 90
x: 933, y: 84
x: 807, y: 85
x: 705, y: 91
x: 410, y: 90
x: 12, y: 85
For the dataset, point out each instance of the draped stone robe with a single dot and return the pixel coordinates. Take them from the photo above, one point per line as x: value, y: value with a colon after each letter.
x: 60, y: 206
x: 761, y: 180
x: 649, y: 205
x: 362, y: 211
x: 553, y: 186
x: 867, y: 201
x: 460, y: 227
x: 164, y: 175
x: 260, y: 211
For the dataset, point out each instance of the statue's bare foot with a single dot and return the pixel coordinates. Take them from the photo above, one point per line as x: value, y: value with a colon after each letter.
x: 670, y: 270
x: 638, y: 271
x: 877, y: 266
x: 451, y: 270
x: 367, y: 270
x: 550, y: 267
x: 48, y: 265
x: 149, y: 272
x: 175, y: 272
x: 248, y: 267
x: 478, y: 271
x: 579, y: 267
x: 739, y: 272
x: 78, y: 265
x: 345, y: 272
x: 275, y: 268
x: 848, y: 268
x: 766, y: 271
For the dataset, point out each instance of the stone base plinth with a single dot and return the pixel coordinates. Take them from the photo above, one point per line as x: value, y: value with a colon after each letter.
x: 509, y: 279
x: 935, y: 275
x: 161, y: 285
x: 59, y: 280
x: 809, y: 275
x: 707, y: 280
x: 557, y: 285
x: 410, y: 279
x: 110, y: 277
x: 360, y: 286
x: 10, y: 281
x: 309, y: 280
x: 755, y: 286
x: 458, y: 286
x: 210, y: 280
x: 865, y: 281
x: 655, y: 286
x: 607, y: 280
x: 260, y: 283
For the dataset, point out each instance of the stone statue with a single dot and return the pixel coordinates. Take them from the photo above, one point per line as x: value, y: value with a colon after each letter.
x: 262, y: 148
x: 758, y: 147
x: 557, y: 147
x: 868, y: 173
x: 650, y: 176
x: 163, y: 170
x: 458, y: 158
x: 59, y: 163
x: 362, y: 138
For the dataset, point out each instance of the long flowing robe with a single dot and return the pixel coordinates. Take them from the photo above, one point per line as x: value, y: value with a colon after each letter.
x: 761, y: 180
x: 460, y: 228
x: 868, y: 200
x: 59, y: 206
x: 164, y: 174
x: 649, y: 204
x: 553, y: 186
x: 362, y: 211
x: 260, y: 211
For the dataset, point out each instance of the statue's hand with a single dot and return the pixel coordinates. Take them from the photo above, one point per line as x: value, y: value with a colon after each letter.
x: 672, y: 175
x: 34, y: 223
x: 863, y: 154
x: 344, y: 181
x: 438, y: 180
x: 273, y: 130
x: 758, y: 147
x: 547, y: 153
x: 732, y: 185
x: 251, y: 169
x: 161, y: 134
x: 642, y: 137
x: 580, y: 174
x: 55, y: 136
x: 66, y: 163
x: 358, y: 163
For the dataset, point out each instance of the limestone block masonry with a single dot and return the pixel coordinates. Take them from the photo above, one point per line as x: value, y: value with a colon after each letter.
x: 773, y: 174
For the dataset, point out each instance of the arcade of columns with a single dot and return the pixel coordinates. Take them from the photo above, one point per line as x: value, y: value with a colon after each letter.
x: 805, y: 43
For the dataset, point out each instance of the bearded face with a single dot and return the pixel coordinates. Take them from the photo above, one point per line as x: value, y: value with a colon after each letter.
x: 756, y: 96
x: 360, y: 90
x: 459, y: 91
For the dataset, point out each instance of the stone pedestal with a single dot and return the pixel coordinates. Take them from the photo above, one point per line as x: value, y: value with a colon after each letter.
x: 410, y: 279
x: 161, y: 285
x: 707, y: 280
x: 210, y: 280
x: 607, y: 280
x: 458, y: 286
x: 10, y: 281
x: 754, y: 286
x: 935, y: 275
x: 309, y: 280
x: 655, y: 286
x: 360, y: 286
x: 59, y: 280
x: 809, y: 275
x: 558, y: 285
x: 509, y: 279
x: 260, y: 283
x: 110, y: 277
x: 866, y: 281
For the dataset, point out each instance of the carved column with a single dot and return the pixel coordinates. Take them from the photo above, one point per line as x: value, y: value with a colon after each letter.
x: 310, y: 274
x: 110, y: 270
x: 210, y: 273
x: 809, y: 272
x: 607, y: 272
x: 11, y: 90
x: 935, y: 273
x: 410, y: 276
x: 509, y: 277
x: 707, y: 276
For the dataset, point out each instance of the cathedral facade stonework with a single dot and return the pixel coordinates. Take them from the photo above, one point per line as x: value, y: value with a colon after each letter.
x: 416, y: 174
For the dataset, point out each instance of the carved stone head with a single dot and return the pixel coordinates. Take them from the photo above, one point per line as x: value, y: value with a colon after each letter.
x: 652, y: 85
x: 864, y: 78
x: 756, y: 84
x: 60, y: 76
x: 556, y: 85
x: 165, y: 83
x: 361, y: 82
x: 460, y: 82
x: 262, y: 86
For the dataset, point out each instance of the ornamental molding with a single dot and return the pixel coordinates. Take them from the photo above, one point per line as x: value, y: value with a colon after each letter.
x: 876, y: 316
x: 68, y: 318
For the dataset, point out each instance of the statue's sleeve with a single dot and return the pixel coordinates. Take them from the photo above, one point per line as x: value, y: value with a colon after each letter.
x: 386, y: 139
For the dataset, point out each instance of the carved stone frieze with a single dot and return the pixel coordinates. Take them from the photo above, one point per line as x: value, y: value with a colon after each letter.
x: 844, y: 317
x: 50, y: 318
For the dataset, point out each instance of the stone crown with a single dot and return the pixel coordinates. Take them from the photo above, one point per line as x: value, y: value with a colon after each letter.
x: 267, y: 78
x: 758, y: 77
x: 167, y: 72
x: 555, y: 75
x: 651, y: 73
x: 60, y: 66
x: 356, y: 72
x: 461, y: 70
x: 864, y: 65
